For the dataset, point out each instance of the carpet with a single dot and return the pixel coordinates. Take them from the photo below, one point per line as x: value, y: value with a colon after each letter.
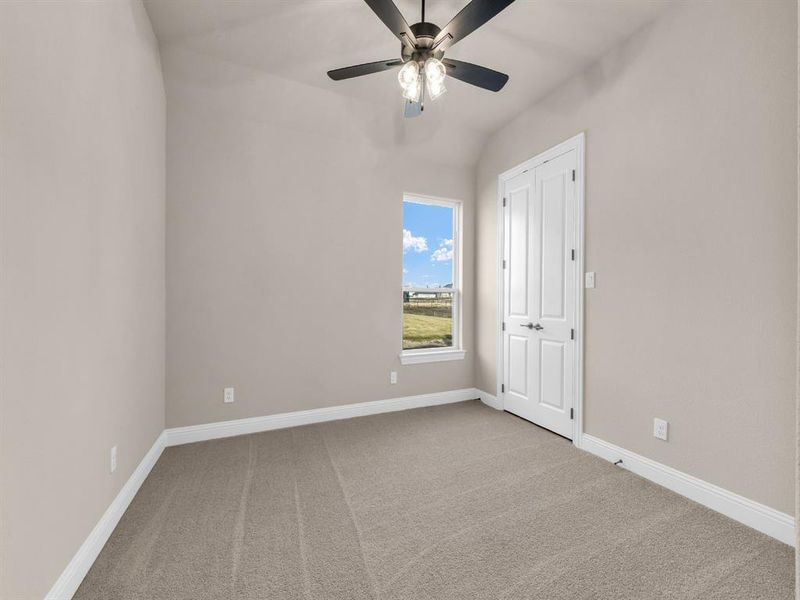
x: 450, y: 502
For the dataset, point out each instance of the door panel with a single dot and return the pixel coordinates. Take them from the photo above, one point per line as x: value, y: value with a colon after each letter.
x: 539, y: 293
x: 553, y: 245
x: 518, y: 204
x: 552, y: 370
x: 518, y: 365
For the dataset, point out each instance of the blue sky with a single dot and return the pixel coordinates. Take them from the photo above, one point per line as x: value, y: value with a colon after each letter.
x: 427, y: 245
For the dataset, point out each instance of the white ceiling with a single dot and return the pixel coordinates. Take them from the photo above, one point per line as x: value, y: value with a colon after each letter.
x: 539, y: 43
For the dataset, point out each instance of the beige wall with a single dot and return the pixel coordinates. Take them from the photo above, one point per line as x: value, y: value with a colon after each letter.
x: 82, y: 223
x: 691, y: 226
x: 284, y: 255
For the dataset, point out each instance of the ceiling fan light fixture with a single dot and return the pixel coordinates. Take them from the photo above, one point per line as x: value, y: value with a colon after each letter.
x: 409, y: 74
x: 435, y: 90
x: 413, y: 91
x: 435, y: 70
x: 410, y: 80
x: 435, y: 73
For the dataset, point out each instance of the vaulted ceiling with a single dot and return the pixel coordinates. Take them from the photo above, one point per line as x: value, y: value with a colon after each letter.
x: 539, y: 43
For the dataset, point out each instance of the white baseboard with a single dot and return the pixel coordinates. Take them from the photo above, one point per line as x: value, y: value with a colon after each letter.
x: 223, y: 429
x: 67, y: 584
x: 489, y: 400
x: 753, y: 514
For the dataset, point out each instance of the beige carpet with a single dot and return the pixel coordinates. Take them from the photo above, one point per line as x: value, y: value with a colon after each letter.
x: 452, y: 502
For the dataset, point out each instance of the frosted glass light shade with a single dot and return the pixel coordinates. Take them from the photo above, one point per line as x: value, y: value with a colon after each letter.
x: 409, y: 74
x: 413, y: 91
x: 435, y: 71
x: 435, y: 89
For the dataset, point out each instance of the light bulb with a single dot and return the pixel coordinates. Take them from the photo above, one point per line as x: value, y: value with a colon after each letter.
x: 409, y: 74
x: 434, y: 71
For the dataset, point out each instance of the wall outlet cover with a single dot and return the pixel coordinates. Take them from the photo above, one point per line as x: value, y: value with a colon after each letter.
x: 660, y: 429
x: 393, y: 377
x: 228, y: 395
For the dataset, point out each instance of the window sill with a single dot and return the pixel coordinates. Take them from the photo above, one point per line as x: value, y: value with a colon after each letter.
x: 414, y: 357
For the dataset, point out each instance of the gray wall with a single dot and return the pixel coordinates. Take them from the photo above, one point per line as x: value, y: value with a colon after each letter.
x: 82, y: 324
x: 691, y: 226
x: 284, y: 254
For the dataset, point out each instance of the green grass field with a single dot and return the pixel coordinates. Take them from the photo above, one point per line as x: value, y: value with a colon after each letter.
x: 423, y: 331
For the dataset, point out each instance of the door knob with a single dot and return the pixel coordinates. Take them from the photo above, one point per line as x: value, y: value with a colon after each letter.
x: 537, y: 327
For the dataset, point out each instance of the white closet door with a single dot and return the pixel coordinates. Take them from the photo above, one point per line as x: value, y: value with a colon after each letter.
x: 539, y: 311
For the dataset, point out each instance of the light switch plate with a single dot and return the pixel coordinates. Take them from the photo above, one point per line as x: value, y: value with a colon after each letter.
x: 393, y: 377
x: 590, y: 279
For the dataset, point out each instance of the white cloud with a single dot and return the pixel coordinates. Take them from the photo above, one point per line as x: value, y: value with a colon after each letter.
x: 444, y: 251
x: 417, y: 244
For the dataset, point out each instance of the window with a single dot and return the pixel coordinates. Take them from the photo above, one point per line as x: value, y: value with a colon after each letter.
x: 431, y: 280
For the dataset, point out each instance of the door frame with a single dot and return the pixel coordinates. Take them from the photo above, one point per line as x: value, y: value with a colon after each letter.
x: 577, y: 143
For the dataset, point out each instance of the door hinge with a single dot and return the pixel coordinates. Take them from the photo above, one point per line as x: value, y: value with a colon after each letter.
x: 573, y: 254
x: 502, y: 388
x: 572, y: 413
x: 573, y: 174
x: 504, y: 201
x: 504, y: 325
x: 504, y: 263
x: 572, y: 334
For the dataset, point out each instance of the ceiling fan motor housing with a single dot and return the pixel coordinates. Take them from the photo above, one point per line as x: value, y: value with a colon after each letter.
x: 425, y: 34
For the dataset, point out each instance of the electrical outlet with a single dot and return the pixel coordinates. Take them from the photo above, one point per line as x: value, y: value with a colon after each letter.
x: 113, y: 458
x: 660, y: 429
x: 228, y: 395
x: 393, y: 377
x: 590, y: 279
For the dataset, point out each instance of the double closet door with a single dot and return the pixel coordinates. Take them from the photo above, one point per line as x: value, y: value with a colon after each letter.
x: 539, y: 309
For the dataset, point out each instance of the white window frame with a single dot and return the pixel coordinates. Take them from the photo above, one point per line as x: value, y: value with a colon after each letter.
x: 454, y: 352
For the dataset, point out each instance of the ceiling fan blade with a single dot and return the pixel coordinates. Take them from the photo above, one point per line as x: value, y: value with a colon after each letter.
x: 365, y: 69
x: 412, y: 109
x: 391, y: 17
x: 482, y: 77
x: 472, y: 16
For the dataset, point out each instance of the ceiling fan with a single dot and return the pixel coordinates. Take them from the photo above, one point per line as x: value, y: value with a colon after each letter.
x: 423, y: 44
